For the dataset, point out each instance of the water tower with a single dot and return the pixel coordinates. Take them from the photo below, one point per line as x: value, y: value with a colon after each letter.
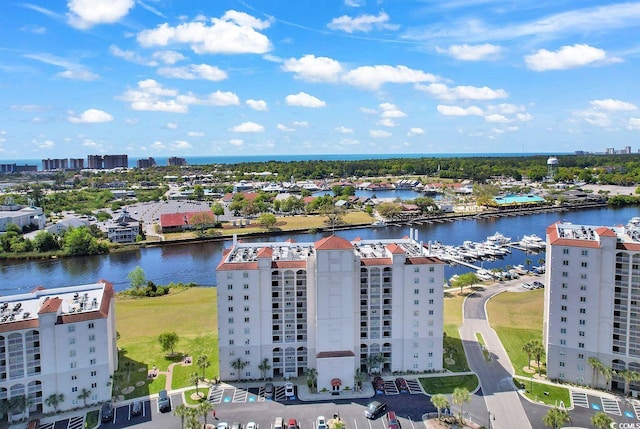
x: 552, y: 167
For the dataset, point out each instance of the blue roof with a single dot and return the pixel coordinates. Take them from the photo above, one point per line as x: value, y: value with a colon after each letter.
x: 518, y: 199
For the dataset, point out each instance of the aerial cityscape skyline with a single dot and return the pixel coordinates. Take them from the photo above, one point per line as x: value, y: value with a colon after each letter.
x: 166, y: 78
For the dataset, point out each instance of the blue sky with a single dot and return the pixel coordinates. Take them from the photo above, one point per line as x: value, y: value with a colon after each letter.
x: 258, y: 77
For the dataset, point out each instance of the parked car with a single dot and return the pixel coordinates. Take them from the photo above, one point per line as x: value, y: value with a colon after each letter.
x: 34, y: 424
x: 164, y: 404
x: 136, y: 408
x: 236, y: 425
x: 374, y: 409
x: 292, y: 424
x: 392, y: 420
x: 288, y: 390
x: 538, y: 284
x: 268, y: 390
x: 401, y: 384
x: 378, y: 383
x: 321, y: 423
x: 222, y: 425
x: 106, y: 412
x: 251, y: 425
x: 527, y: 286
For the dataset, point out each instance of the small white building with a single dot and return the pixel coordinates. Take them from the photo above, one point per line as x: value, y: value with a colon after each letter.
x: 21, y: 215
x: 123, y: 229
x: 333, y: 305
x: 58, y: 341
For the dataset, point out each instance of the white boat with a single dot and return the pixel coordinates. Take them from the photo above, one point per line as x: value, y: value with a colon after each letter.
x: 379, y: 224
x: 498, y: 239
x: 532, y: 242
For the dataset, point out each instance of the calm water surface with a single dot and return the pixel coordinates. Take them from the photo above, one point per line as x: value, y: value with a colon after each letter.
x: 197, y: 262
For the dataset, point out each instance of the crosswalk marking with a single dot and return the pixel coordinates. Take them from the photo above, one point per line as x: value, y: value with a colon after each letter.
x: 611, y: 406
x: 579, y: 399
x: 636, y: 408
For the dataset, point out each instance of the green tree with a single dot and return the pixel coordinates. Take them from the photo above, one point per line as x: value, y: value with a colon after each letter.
x: 79, y: 241
x: 84, y: 395
x: 461, y: 396
x: 54, y: 400
x: 463, y: 280
x: 334, y: 215
x: 194, y: 379
x: 389, y: 210
x: 264, y: 367
x: 181, y: 411
x: 528, y: 349
x: 608, y: 373
x: 217, y: 209
x: 44, y: 241
x: 312, y: 374
x: 198, y: 192
x: 555, y: 418
x: 203, y: 363
x: 168, y: 341
x: 267, y: 220
x: 358, y: 379
x: 538, y: 353
x: 595, y: 366
x: 204, y: 408
x: 137, y: 278
x: 239, y: 365
x: 439, y: 401
x: 601, y: 421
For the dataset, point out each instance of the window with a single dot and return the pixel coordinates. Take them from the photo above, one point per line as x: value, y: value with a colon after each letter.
x: 583, y: 322
x: 430, y: 354
x: 431, y: 269
x: 583, y: 264
x: 416, y: 280
x: 415, y: 345
x: 229, y: 275
x: 72, y: 340
x: 245, y: 275
x: 92, y: 337
x: 246, y: 297
x: 94, y: 385
x: 91, y: 325
x: 585, y: 253
x: 430, y: 312
x: 580, y: 367
x: 581, y: 345
x: 92, y: 362
x: 230, y: 331
x: 230, y: 319
x: 71, y: 328
x: 431, y: 290
x: 247, y: 352
x: 230, y: 298
x: 431, y: 333
x: 72, y: 365
x: 565, y: 251
x: 74, y: 389
x: 230, y: 342
x: 416, y: 302
x: 74, y: 377
x: 561, y: 375
x: 246, y: 286
x: 432, y: 279
x: 230, y: 309
x: 246, y: 308
x: 415, y: 335
x: 416, y: 269
x: 92, y: 349
x: 583, y: 311
x: 565, y: 262
x: 229, y: 287
x: 583, y: 276
x: 416, y: 291
x: 563, y: 330
x: 565, y: 274
x: 583, y: 299
x: 583, y: 287
x: 564, y: 297
x: 563, y: 319
x: 246, y: 320
x: 94, y: 373
x: 72, y: 353
x: 561, y: 364
x: 580, y: 356
x: 416, y: 313
x: 581, y: 333
x: 430, y: 301
x: 564, y: 285
x: 563, y: 308
x: 563, y: 353
x: 247, y: 330
x: 563, y: 342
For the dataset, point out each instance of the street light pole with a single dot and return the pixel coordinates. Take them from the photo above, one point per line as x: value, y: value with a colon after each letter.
x: 491, y: 415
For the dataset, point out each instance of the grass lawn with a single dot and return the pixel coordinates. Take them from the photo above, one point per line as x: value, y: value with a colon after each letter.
x: 446, y: 385
x: 521, y: 309
x: 202, y: 391
x: 485, y: 352
x: 540, y: 392
x: 190, y: 313
x: 452, y: 342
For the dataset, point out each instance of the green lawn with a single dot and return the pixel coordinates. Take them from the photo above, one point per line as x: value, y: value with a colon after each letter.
x: 452, y: 341
x: 446, y: 385
x: 540, y: 392
x: 190, y: 313
x: 521, y: 309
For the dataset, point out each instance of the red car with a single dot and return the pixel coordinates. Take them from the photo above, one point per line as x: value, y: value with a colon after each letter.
x: 378, y: 384
x: 293, y: 424
x: 401, y: 384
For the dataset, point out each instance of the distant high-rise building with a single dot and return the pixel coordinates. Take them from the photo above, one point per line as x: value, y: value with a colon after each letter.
x: 95, y: 162
x: 108, y: 162
x: 54, y: 164
x: 146, y: 163
x: 76, y: 163
x: 174, y: 161
x: 592, y: 303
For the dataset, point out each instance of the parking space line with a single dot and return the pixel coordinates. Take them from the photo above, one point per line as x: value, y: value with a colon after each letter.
x: 611, y: 406
x: 636, y: 408
x: 579, y: 399
x: 414, y: 386
x: 240, y: 395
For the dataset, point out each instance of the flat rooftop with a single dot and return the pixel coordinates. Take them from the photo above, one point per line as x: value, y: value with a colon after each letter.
x: 74, y: 300
x: 629, y: 233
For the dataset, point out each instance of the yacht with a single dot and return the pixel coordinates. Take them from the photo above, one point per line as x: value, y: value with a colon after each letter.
x: 379, y: 223
x: 498, y: 239
x: 532, y: 242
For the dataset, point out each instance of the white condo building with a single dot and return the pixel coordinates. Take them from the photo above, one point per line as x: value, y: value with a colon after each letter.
x: 332, y: 305
x: 58, y: 341
x: 592, y: 302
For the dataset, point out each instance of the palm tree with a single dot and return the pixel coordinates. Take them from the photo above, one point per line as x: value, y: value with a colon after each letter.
x: 191, y: 419
x: 194, y: 379
x: 538, y: 351
x: 460, y: 397
x: 239, y: 365
x: 528, y: 349
x: 596, y: 365
x: 601, y: 421
x: 181, y: 411
x: 358, y: 378
x: 203, y: 363
x: 312, y: 374
x: 555, y: 418
x: 54, y: 400
x: 608, y: 373
x: 84, y: 395
x: 629, y: 376
x: 527, y: 262
x: 264, y: 367
x: 440, y: 402
x: 204, y: 408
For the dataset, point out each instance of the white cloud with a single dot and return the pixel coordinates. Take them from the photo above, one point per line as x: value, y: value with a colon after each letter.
x: 45, y: 144
x: 151, y: 96
x: 344, y: 130
x: 158, y: 145
x: 387, y: 122
x: 362, y: 23
x: 368, y: 111
x: 300, y: 124
x: 459, y: 111
x: 89, y: 143
x: 314, y: 69
x: 195, y: 134
x: 236, y: 142
x: 396, y: 114
x: 634, y: 124
x: 611, y: 104
x: 171, y: 125
x: 567, y: 57
x: 248, y: 127
x: 372, y: 77
x: 474, y: 52
x: 73, y: 70
x: 169, y: 57
x: 233, y: 33
x: 283, y: 127
x: 524, y: 117
x: 305, y: 100
x: 85, y: 14
x: 194, y: 71
x: 259, y: 105
x: 354, y: 3
x: 415, y: 132
x: 379, y: 133
x: 497, y: 118
x: 91, y: 116
x: 131, y: 121
x: 131, y: 56
x: 181, y: 144
x: 462, y: 92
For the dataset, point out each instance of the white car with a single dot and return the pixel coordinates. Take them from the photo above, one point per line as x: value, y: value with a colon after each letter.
x: 321, y: 423
x: 251, y: 425
x: 288, y: 390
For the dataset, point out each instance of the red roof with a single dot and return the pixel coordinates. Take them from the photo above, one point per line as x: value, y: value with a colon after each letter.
x: 265, y: 252
x: 375, y: 261
x: 184, y: 218
x: 395, y: 249
x: 333, y: 242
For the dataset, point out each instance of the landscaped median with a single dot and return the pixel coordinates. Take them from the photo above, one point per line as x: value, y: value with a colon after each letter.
x: 447, y: 384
